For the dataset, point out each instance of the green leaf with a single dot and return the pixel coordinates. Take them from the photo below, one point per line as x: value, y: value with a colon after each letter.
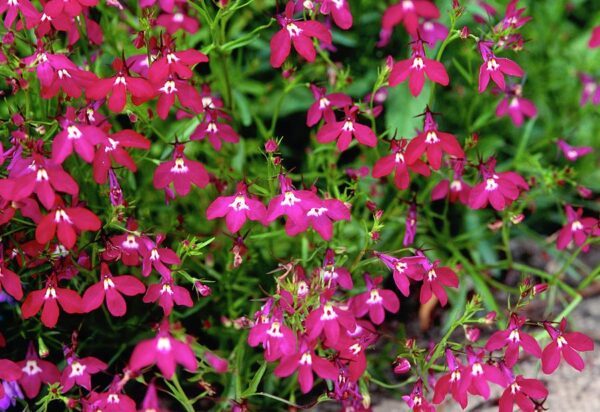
x: 402, y: 110
x: 255, y: 381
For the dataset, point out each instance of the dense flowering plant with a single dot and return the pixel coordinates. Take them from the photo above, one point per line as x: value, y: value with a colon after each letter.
x: 262, y: 205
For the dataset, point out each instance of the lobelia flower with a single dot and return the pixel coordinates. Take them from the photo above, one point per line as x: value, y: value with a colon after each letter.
x: 111, y: 287
x: 219, y: 364
x: 154, y: 256
x: 111, y: 401
x: 306, y: 362
x: 499, y: 189
x: 321, y: 219
x: 150, y: 402
x: 125, y: 247
x: 291, y: 202
x: 65, y: 222
x: 10, y: 392
x: 375, y: 301
x: 117, y: 87
x: 329, y: 319
x: 408, y: 12
x: 411, y: 225
x: 402, y: 269
x: 521, y: 391
x: 595, y: 38
x: 333, y: 275
x: 182, y: 172
x: 72, y: 8
x: 513, y: 338
x: 296, y: 32
x: 577, y: 229
x: 187, y: 95
x: 572, y: 153
x: 455, y: 190
x: 10, y: 282
x: 38, y: 175
x: 433, y: 143
x: 163, y: 351
x: 456, y: 381
x: 495, y: 67
x: 168, y: 294
x: 9, y: 371
x: 323, y: 106
x: 165, y: 5
x: 215, y: 131
x: 416, y: 401
x: 75, y: 136
x: 35, y: 372
x: 431, y: 32
x: 479, y: 374
x: 113, y: 148
x: 340, y: 12
x: 237, y: 209
x: 48, y: 299
x: 591, y: 90
x: 79, y: 372
x: 18, y: 8
x: 178, y: 21
x: 173, y: 62
x: 415, y: 68
x: 434, y: 278
x: 352, y: 352
x: 276, y: 338
x: 515, y: 106
x: 567, y: 344
x: 396, y: 163
x: 345, y: 130
x: 513, y: 17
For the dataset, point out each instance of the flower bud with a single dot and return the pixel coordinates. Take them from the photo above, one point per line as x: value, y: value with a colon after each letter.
x: 43, y: 351
x: 539, y: 288
x: 472, y: 334
x: 401, y: 366
x: 203, y: 289
x: 271, y: 146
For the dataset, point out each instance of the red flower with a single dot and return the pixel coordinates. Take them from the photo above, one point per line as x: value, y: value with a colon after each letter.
x: 298, y: 33
x: 330, y: 320
x: 9, y: 371
x: 433, y: 143
x: 495, y: 68
x: 577, y: 229
x: 9, y: 280
x: 113, y: 148
x: 321, y: 218
x: 111, y: 287
x: 176, y: 21
x: 72, y: 8
x: 434, y: 278
x: 375, y: 300
x: 333, y: 275
x: 75, y: 136
x: 118, y: 86
x: 188, y: 96
x: 499, y: 189
x: 35, y: 372
x: 237, y: 209
x: 216, y: 131
x: 48, y: 299
x: 182, y: 172
x: 167, y: 293
x: 14, y: 9
x: 512, y: 338
x: 516, y: 106
x: 165, y: 351
x: 521, y: 391
x: 408, y: 13
x: 402, y: 269
x: 415, y: 69
x: 65, y: 222
x: 396, y: 163
x: 276, y: 338
x: 80, y: 371
x: 175, y: 63
x: 291, y: 202
x: 456, y: 381
x: 566, y: 344
x: 339, y: 10
x: 595, y: 38
x: 157, y: 257
x: 345, y: 130
x: 324, y: 104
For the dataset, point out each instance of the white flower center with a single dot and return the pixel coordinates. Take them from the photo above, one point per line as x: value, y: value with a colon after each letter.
x: 168, y: 87
x: 42, y: 175
x: 418, y: 63
x: 73, y: 132
x: 492, y: 65
x: 328, y: 313
x: 293, y: 30
x: 348, y: 126
x: 275, y: 330
x: 306, y: 359
x: 63, y: 73
x: 477, y: 369
x: 31, y: 368
x: 120, y: 80
x: 456, y: 186
x: 491, y: 185
x: 374, y: 298
x: 431, y: 138
x: 324, y: 103
x: 316, y: 211
x: 61, y: 216
x: 163, y: 344
x: 179, y: 166
x: 289, y: 199
x: 239, y: 204
x: 108, y: 283
x: 178, y: 17
x: 408, y: 5
x: 77, y: 369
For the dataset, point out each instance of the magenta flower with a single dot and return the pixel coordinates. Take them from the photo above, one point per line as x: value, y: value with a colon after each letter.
x: 479, y: 374
x: 323, y: 106
x: 433, y: 143
x: 168, y: 294
x: 515, y: 106
x: 396, y: 163
x: 330, y: 320
x: 375, y: 301
x: 9, y: 371
x: 577, y: 229
x: 454, y: 190
x: 111, y: 401
x: 415, y: 68
x: 154, y: 256
x: 35, y: 372
x: 170, y: 88
x: 513, y: 18
x: 179, y: 20
x: 113, y: 148
x: 521, y: 391
x: 513, y: 338
x: 163, y: 351
x: 298, y: 33
x: 321, y: 219
x: 291, y: 202
x: 237, y: 209
x: 20, y: 8
x: 595, y: 38
x: 65, y: 223
x: 567, y: 344
x: 111, y: 287
x: 216, y: 132
x: 333, y: 275
x: 345, y: 130
x: 408, y: 12
x: 340, y: 12
x: 495, y: 68
x: 10, y: 282
x: 118, y: 86
x: 37, y: 175
x: 182, y: 172
x: 306, y: 362
x: 499, y: 189
x: 48, y: 299
x: 434, y: 280
x: 165, y: 5
x: 72, y: 8
x: 125, y: 247
x: 416, y: 401
x: 456, y: 381
x: 572, y: 153
x: 276, y: 338
x: 591, y: 90
x: 80, y: 371
x: 175, y: 63
x: 75, y: 136
x: 432, y: 31
x: 411, y: 225
x: 402, y: 269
